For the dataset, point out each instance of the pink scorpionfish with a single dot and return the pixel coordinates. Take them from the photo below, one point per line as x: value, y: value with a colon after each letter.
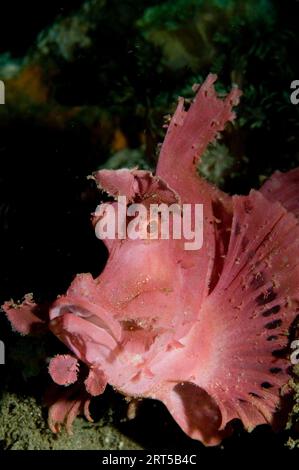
x: 200, y: 330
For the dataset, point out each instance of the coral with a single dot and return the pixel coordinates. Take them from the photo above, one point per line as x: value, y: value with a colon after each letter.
x: 216, y: 163
x: 293, y: 419
x: 204, y: 331
x: 186, y: 29
x: 125, y: 158
x: 23, y: 427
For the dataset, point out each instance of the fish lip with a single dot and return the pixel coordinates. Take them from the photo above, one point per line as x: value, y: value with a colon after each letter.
x: 88, y: 311
x: 76, y: 336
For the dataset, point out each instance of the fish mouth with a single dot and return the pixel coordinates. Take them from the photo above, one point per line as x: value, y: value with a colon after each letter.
x: 86, y: 328
x: 88, y: 311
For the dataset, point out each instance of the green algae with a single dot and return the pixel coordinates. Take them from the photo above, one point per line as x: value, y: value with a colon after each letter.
x: 293, y: 420
x: 23, y: 426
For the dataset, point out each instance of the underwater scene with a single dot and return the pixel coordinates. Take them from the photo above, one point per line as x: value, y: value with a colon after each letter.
x: 149, y: 205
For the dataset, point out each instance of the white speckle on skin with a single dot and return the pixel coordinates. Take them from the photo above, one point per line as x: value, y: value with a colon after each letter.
x: 136, y: 359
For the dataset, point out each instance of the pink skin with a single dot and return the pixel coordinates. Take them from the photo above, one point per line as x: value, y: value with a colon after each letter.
x: 197, y: 330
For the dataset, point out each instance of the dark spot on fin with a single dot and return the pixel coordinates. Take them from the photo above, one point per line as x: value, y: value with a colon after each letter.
x: 271, y: 311
x: 273, y: 324
x: 266, y: 385
x: 279, y: 353
x: 275, y: 370
x: 266, y: 297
